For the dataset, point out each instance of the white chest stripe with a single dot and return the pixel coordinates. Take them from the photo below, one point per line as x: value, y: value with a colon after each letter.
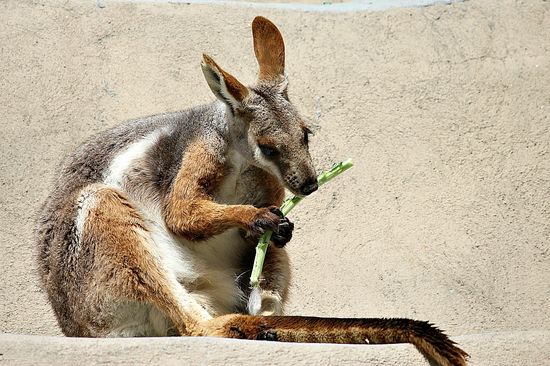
x: 114, y: 175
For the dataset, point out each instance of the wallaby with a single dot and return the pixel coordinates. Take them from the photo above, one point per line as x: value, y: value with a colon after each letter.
x: 152, y: 225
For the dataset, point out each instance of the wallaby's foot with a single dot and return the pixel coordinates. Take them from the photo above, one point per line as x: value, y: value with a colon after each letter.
x: 272, y: 304
x: 265, y: 303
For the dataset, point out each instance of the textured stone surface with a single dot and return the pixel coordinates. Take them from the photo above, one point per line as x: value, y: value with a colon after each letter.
x: 445, y: 110
x: 490, y: 349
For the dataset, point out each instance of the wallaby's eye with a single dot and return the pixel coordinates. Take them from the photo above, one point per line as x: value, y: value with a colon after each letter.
x: 268, y: 151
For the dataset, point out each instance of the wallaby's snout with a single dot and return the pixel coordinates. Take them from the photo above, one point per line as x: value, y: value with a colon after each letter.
x: 309, y: 187
x: 298, y: 173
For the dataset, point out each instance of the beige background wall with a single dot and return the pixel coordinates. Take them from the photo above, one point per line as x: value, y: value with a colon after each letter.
x: 445, y: 110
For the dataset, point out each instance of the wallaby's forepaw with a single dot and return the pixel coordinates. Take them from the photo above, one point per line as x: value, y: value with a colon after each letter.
x: 272, y: 218
x: 283, y: 233
x: 267, y: 218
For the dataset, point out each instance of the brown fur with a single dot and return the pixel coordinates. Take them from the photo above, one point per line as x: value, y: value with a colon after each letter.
x: 267, y: 141
x: 189, y: 209
x: 269, y: 49
x: 273, y: 190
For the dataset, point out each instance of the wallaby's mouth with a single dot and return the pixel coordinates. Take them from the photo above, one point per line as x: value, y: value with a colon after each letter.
x: 309, y: 187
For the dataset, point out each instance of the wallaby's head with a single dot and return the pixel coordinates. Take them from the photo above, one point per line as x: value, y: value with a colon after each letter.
x: 265, y: 127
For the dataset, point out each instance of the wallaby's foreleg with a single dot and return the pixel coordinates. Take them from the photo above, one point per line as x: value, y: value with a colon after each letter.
x: 428, y: 339
x: 189, y: 209
x: 125, y: 265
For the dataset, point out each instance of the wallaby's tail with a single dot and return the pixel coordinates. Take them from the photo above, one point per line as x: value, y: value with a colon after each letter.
x: 428, y: 339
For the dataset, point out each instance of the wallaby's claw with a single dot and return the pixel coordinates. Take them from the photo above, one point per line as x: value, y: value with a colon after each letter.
x: 267, y: 335
x: 276, y: 211
x: 284, y: 233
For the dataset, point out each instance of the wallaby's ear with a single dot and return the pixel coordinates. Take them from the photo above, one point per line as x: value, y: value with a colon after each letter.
x: 224, y: 85
x: 269, y: 49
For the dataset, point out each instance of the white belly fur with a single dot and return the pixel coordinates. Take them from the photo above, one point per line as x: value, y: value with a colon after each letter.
x: 208, y: 270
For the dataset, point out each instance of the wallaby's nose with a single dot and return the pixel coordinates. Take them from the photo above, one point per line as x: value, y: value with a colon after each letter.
x: 309, y: 187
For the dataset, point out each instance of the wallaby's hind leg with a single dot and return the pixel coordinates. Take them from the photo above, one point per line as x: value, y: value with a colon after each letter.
x: 124, y: 275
